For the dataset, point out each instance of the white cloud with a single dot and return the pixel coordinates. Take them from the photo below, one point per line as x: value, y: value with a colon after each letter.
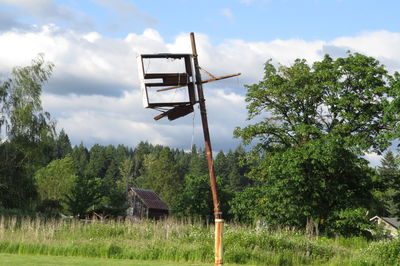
x: 41, y: 8
x: 105, y: 119
x: 117, y: 15
x: 126, y: 11
x: 379, y: 44
x: 49, y: 11
x: 94, y: 92
x: 227, y: 13
x: 373, y: 158
x: 92, y: 36
x: 8, y: 20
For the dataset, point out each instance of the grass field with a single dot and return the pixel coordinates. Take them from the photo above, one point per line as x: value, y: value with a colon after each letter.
x: 30, y: 260
x: 180, y: 242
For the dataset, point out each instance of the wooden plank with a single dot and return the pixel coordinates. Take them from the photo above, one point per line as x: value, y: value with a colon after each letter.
x: 203, y: 81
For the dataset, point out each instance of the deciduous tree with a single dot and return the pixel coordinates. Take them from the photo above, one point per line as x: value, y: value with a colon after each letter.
x: 28, y: 129
x: 311, y: 122
x: 56, y: 180
x: 350, y: 98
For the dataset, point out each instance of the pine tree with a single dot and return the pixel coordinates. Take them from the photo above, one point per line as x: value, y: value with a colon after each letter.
x: 62, y: 145
x: 387, y: 186
x: 85, y: 196
x: 198, y: 162
x: 80, y: 156
x: 162, y: 175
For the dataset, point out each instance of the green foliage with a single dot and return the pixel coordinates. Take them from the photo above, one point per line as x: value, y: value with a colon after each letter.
x: 389, y: 172
x: 55, y: 181
x: 98, y: 162
x: 312, y: 181
x: 347, y: 98
x: 50, y: 207
x: 100, y: 171
x: 171, y: 240
x: 387, y: 187
x: 85, y: 195
x: 29, y: 133
x: 170, y: 173
x: 380, y: 232
x: 311, y: 124
x: 127, y: 172
x: 231, y: 169
x: 198, y: 162
x: 63, y: 145
x: 17, y: 213
x: 351, y: 222
x: 195, y: 199
x: 23, y: 104
x: 387, y: 251
x: 80, y: 155
x: 141, y: 150
x: 17, y: 189
x: 248, y: 205
x: 162, y: 175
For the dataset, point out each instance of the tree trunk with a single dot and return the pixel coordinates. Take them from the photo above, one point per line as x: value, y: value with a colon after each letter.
x: 310, y: 226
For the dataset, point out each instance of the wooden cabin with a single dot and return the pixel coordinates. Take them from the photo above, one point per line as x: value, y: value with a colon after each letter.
x: 390, y: 224
x: 146, y: 204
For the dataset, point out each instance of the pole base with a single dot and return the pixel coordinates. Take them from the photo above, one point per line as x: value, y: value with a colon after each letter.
x: 219, y: 226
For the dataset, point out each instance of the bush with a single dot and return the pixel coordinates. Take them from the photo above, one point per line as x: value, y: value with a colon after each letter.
x: 350, y: 222
x: 388, y: 251
x: 17, y: 212
x: 380, y: 232
x: 50, y: 206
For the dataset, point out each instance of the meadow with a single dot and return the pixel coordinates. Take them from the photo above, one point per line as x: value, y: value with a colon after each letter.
x: 186, y: 241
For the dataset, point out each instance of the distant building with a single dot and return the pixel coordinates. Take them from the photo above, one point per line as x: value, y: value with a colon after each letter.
x: 145, y: 203
x: 391, y: 224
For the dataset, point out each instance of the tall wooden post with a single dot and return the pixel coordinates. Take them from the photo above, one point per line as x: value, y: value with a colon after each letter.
x: 219, y: 222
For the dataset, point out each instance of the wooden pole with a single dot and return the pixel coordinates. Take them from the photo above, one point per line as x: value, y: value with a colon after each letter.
x: 219, y: 222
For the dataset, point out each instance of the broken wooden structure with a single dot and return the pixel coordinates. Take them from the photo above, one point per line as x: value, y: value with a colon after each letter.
x: 184, y: 75
x: 146, y: 204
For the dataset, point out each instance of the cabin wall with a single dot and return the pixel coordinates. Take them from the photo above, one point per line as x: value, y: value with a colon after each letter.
x: 137, y: 208
x: 157, y: 214
x: 393, y: 230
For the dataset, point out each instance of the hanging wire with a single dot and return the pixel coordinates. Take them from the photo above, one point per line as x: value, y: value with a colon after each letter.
x: 208, y: 73
x: 194, y: 115
x: 179, y: 88
x: 173, y: 96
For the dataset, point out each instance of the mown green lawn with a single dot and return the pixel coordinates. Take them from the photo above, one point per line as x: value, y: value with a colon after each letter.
x: 25, y: 260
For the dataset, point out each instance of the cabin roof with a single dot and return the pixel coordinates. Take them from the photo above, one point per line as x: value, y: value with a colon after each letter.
x: 395, y: 222
x: 150, y: 198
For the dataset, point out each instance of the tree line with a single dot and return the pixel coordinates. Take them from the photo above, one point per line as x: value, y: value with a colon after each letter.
x: 40, y: 170
x: 309, y: 127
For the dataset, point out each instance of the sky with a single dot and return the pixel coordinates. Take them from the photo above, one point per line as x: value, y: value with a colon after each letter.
x: 94, y: 92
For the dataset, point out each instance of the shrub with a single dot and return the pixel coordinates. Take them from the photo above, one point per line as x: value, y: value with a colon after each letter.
x: 388, y: 251
x: 350, y: 222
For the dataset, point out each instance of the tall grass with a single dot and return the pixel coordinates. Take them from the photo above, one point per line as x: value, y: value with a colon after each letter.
x: 172, y: 240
